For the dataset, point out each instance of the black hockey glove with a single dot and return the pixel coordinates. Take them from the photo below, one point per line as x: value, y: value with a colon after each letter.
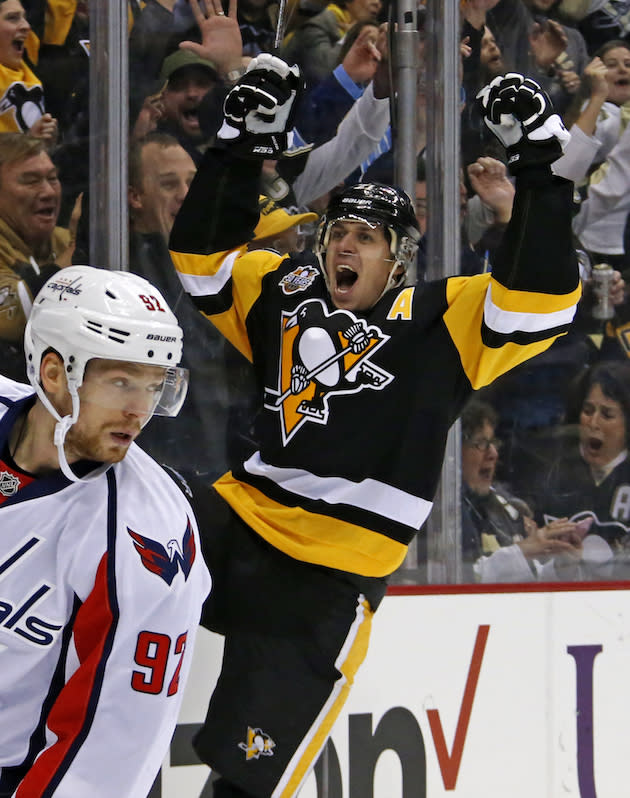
x: 259, y: 110
x: 521, y: 116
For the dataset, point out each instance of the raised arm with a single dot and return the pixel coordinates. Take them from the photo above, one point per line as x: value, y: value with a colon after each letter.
x: 537, y: 253
x: 530, y: 297
x: 209, y: 238
x: 221, y: 208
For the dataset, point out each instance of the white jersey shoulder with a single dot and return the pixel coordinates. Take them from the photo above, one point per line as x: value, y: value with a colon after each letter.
x: 13, y: 391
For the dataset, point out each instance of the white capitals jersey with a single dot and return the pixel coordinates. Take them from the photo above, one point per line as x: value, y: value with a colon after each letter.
x: 101, y: 588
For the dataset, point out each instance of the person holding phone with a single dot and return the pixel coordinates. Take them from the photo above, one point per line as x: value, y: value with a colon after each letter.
x: 501, y: 541
x: 589, y: 483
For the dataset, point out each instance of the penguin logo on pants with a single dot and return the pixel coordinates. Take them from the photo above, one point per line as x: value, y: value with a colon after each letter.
x: 322, y: 354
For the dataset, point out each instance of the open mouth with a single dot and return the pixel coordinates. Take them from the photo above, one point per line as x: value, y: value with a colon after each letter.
x: 345, y: 278
x: 124, y: 438
x: 18, y: 46
x: 593, y: 445
x: 191, y: 116
x: 622, y: 83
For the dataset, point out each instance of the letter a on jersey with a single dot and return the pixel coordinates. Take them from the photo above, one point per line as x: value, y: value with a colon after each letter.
x: 321, y: 355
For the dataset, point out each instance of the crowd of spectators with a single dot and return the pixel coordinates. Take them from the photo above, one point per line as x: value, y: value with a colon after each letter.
x: 181, y: 69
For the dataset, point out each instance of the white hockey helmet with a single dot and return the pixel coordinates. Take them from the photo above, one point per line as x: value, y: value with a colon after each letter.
x: 83, y: 312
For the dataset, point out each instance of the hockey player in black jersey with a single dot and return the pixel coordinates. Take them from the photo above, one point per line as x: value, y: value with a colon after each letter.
x: 360, y: 378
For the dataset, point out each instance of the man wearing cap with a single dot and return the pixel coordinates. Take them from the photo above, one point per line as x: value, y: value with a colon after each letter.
x: 281, y: 229
x: 188, y: 79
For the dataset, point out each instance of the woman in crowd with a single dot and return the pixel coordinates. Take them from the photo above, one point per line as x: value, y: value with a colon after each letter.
x: 500, y: 540
x: 590, y: 481
x: 22, y: 96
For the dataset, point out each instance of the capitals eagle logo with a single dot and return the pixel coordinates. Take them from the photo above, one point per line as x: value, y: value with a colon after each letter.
x: 322, y: 355
x: 165, y: 564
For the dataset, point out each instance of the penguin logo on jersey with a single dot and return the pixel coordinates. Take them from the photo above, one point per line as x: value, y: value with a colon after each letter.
x: 26, y: 102
x: 166, y: 564
x: 298, y: 280
x: 321, y: 355
x: 258, y: 744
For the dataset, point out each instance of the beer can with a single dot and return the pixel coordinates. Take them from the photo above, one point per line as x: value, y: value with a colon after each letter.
x: 602, y: 277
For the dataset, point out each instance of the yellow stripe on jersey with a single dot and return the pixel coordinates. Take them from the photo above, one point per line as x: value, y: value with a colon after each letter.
x: 530, y: 312
x: 229, y: 326
x: 310, y: 537
x: 249, y: 271
x: 206, y: 275
x: 530, y: 302
x: 510, y: 300
x: 200, y: 265
x: 347, y: 663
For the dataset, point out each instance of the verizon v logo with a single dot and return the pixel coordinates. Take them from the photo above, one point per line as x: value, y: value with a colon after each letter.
x: 450, y: 762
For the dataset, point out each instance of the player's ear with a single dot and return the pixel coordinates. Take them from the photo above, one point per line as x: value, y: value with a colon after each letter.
x: 134, y: 198
x: 398, y: 274
x: 52, y: 373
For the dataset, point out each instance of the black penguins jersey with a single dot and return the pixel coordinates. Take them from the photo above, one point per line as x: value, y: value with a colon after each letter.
x: 569, y: 490
x: 356, y: 407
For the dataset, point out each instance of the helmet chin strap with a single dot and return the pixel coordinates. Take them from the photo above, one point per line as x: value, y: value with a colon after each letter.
x: 393, y: 279
x: 61, y: 430
x: 321, y: 257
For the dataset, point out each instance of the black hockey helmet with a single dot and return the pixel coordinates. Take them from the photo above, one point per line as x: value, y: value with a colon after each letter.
x: 375, y: 203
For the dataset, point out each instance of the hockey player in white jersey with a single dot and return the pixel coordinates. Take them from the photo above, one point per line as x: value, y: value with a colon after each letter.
x: 101, y: 574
